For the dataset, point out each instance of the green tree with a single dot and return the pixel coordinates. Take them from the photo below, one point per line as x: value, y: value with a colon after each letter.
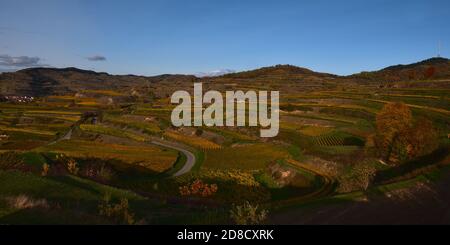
x: 358, y: 178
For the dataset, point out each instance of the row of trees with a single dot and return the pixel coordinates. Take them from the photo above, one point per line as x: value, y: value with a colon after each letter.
x: 400, y: 138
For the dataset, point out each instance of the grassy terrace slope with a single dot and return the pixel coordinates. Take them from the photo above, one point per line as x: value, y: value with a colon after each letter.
x: 153, y: 158
x: 109, y: 124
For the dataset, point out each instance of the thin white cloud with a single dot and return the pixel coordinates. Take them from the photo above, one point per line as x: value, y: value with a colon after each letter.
x: 214, y: 73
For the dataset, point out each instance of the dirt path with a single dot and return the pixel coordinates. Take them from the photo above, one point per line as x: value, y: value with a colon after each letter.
x: 66, y: 136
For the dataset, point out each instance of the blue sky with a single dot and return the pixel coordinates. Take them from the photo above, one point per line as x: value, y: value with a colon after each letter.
x: 178, y: 36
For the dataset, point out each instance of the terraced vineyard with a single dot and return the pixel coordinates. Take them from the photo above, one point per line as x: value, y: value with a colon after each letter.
x: 150, y: 157
x: 101, y: 129
x: 245, y: 156
x: 329, y: 141
x: 122, y: 139
x: 315, y: 131
x: 194, y: 141
x: 135, y: 122
x: 338, y: 140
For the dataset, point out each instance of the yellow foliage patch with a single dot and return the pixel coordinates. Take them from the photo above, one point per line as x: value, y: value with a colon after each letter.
x: 27, y: 130
x: 194, y: 141
x: 315, y: 130
x: 247, y: 156
x: 147, y: 156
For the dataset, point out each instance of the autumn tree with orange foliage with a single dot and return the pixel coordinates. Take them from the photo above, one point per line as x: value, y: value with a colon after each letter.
x: 398, y: 138
x: 429, y: 72
x: 422, y: 139
x: 392, y: 124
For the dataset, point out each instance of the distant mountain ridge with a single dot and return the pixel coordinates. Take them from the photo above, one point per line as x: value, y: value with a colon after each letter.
x: 432, y: 61
x: 56, y: 81
x: 434, y: 68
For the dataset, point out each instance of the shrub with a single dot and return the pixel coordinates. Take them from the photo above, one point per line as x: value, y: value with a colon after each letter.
x: 248, y: 214
x: 72, y: 166
x: 105, y: 173
x: 25, y: 202
x: 198, y: 188
x: 90, y: 172
x: 235, y: 185
x: 358, y: 178
x: 64, y: 164
x: 45, y: 169
x: 198, y: 132
x: 118, y: 212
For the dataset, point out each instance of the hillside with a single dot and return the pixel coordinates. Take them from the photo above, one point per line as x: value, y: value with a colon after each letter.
x: 278, y: 70
x: 434, y: 68
x: 52, y: 81
x: 108, y: 143
x: 286, y: 78
x: 290, y: 78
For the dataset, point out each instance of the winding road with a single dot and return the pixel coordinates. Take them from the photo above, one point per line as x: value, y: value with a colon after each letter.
x: 190, y: 157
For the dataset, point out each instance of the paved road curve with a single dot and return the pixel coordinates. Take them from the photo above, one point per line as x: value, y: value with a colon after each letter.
x: 190, y: 157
